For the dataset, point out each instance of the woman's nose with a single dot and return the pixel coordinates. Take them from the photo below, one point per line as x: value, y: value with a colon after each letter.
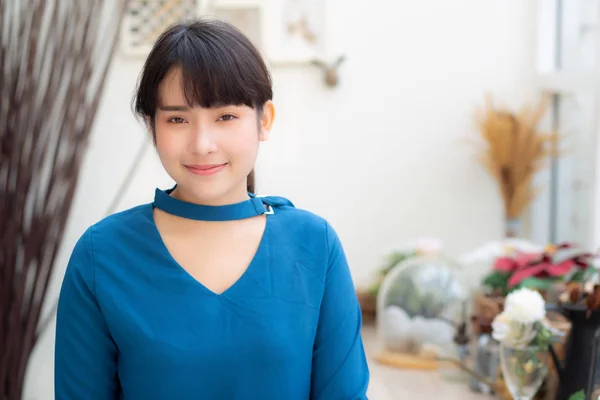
x: 203, y: 141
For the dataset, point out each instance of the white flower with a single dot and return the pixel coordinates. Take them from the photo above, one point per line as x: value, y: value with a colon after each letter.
x: 525, y: 306
x: 517, y: 325
x: 512, y: 333
x: 500, y: 328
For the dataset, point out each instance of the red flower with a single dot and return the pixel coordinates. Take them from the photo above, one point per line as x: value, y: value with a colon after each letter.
x: 505, y: 264
x: 526, y: 259
x: 551, y: 264
x: 538, y: 269
x: 510, y: 264
x: 561, y: 268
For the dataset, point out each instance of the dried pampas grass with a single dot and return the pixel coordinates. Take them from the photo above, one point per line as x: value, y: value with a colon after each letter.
x: 514, y: 151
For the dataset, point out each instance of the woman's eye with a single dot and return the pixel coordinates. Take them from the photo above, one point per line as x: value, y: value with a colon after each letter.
x: 227, y: 117
x: 177, y: 120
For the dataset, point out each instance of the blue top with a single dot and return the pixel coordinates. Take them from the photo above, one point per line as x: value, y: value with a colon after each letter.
x: 133, y: 324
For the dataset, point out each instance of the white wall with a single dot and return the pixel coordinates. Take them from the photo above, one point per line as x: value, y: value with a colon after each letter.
x: 382, y: 156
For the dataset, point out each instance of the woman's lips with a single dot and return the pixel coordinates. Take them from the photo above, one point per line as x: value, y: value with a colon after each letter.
x: 205, y: 169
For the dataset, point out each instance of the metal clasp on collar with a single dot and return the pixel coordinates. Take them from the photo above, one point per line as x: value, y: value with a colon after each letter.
x: 270, y: 210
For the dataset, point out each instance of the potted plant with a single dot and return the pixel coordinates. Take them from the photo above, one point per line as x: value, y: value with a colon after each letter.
x: 555, y: 265
x: 546, y: 272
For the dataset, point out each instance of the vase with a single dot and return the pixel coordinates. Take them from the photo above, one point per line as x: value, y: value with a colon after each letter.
x: 512, y: 227
x: 523, y: 370
x: 574, y: 370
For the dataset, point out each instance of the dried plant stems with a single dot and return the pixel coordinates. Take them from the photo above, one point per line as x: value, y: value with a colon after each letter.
x: 514, y: 151
x: 54, y: 57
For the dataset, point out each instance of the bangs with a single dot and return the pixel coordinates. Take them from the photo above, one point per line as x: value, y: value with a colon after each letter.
x: 212, y: 75
x: 218, y: 65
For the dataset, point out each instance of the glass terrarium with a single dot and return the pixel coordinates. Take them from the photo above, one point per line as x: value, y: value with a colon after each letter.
x: 420, y: 310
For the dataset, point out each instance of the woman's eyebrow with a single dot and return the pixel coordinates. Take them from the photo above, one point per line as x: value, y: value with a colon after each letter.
x: 173, y: 108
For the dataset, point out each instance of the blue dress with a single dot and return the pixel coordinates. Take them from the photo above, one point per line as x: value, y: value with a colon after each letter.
x: 133, y: 324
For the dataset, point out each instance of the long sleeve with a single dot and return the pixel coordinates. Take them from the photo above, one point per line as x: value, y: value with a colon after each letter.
x: 340, y: 370
x: 85, y: 354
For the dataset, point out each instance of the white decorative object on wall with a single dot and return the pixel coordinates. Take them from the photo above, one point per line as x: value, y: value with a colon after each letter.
x: 285, y: 31
x: 145, y: 20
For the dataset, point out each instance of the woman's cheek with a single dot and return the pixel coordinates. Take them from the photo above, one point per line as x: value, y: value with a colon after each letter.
x: 168, y: 145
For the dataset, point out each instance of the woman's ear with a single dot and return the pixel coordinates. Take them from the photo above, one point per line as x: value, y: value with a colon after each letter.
x: 266, y: 120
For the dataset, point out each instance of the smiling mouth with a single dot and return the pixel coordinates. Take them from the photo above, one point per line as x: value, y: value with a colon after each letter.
x: 206, y: 169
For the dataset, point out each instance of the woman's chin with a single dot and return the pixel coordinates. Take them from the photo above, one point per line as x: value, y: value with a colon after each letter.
x: 210, y: 192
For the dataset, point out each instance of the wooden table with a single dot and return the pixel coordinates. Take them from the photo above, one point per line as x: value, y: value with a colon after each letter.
x: 389, y: 383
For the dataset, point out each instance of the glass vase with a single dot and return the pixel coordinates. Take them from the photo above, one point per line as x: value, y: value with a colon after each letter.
x: 523, y: 370
x: 512, y: 227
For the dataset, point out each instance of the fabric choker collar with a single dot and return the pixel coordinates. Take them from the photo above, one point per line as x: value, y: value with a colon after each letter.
x: 252, y: 207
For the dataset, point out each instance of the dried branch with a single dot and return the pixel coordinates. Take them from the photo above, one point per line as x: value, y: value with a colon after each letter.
x: 514, y: 151
x: 54, y: 57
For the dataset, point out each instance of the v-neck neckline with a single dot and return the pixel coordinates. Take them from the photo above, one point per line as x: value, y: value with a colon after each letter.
x: 259, y: 256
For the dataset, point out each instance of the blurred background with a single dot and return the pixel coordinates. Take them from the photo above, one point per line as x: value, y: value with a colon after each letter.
x: 459, y: 129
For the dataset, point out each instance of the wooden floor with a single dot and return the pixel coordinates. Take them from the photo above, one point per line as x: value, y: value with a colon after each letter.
x: 389, y: 383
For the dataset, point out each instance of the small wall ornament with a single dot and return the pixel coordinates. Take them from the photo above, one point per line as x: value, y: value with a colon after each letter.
x: 330, y: 70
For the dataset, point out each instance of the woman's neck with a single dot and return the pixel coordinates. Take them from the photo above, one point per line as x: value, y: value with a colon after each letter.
x: 232, y: 197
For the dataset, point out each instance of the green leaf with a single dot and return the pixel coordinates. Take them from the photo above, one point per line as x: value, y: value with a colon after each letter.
x: 578, y: 396
x: 579, y: 276
x: 536, y: 283
x: 497, y: 280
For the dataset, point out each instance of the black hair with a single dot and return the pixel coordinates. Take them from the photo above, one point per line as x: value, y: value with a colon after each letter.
x: 219, y: 66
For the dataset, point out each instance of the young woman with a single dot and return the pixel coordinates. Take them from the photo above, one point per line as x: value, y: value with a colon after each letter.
x: 209, y: 292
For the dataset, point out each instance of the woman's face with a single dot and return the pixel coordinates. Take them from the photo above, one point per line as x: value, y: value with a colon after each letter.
x: 208, y: 152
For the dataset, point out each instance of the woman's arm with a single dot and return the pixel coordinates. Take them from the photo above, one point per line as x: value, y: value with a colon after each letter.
x: 85, y: 365
x: 340, y: 370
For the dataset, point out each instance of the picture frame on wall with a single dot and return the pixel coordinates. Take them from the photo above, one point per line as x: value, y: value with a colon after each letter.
x: 295, y: 31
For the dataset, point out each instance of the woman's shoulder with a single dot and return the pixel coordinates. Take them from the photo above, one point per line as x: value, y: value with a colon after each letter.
x: 107, y: 233
x: 119, y: 225
x: 130, y: 217
x: 305, y: 234
x: 298, y: 219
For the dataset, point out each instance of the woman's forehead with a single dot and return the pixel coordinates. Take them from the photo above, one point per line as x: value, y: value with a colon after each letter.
x: 171, y: 88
